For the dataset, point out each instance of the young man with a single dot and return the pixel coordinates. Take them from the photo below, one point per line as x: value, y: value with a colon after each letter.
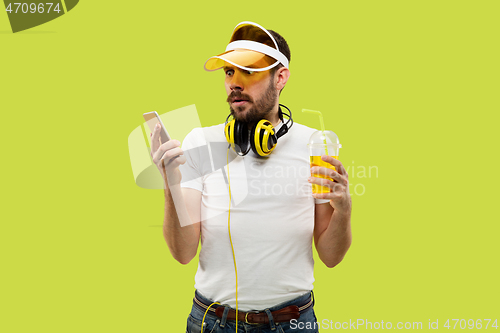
x: 255, y: 213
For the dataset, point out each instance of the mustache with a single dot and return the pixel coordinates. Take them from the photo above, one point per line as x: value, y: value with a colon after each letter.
x: 236, y: 94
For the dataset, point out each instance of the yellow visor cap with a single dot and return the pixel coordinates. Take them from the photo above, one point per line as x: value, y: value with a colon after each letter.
x: 251, y: 47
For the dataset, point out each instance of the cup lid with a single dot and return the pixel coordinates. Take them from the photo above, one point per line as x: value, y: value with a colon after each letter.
x: 325, y: 137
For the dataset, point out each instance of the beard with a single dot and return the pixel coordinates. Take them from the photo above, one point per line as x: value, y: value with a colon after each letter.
x: 259, y: 109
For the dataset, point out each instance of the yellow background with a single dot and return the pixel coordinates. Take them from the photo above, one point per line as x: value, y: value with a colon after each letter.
x: 409, y: 87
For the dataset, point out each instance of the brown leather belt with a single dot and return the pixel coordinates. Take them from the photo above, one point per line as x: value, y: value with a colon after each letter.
x: 286, y: 314
x: 257, y: 317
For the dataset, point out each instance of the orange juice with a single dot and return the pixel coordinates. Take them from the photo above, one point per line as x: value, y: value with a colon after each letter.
x: 317, y: 161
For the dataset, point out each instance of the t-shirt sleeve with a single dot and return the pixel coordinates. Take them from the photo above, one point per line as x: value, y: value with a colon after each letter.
x: 320, y: 201
x: 191, y: 170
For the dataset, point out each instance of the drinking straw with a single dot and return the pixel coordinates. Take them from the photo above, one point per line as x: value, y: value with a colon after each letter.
x: 322, y: 124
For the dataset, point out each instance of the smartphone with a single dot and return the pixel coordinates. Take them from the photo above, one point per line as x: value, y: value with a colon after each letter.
x: 152, y: 118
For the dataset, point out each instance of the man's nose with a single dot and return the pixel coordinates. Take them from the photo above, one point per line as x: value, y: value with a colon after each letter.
x: 237, y: 81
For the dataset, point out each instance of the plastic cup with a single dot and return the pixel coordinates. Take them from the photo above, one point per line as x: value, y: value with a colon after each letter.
x: 323, y: 143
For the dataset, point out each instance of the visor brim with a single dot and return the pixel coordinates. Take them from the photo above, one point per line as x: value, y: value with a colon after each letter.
x: 244, y: 59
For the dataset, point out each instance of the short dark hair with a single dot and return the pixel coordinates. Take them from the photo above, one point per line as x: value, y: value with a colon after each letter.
x: 283, y: 47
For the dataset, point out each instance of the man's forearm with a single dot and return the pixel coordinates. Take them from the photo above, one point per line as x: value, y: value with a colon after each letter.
x: 334, y: 242
x: 179, y: 231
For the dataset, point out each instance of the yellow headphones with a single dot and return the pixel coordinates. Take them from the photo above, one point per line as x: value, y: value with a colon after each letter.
x: 261, y: 138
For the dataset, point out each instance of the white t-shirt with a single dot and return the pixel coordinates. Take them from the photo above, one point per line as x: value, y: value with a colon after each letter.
x: 271, y: 218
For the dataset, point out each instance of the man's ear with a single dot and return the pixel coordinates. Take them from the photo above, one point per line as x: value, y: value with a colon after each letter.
x: 282, y: 75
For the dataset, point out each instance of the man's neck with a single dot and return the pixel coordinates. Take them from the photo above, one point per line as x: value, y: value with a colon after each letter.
x: 274, y: 115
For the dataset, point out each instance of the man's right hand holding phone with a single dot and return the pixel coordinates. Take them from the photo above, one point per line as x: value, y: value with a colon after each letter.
x: 167, y: 157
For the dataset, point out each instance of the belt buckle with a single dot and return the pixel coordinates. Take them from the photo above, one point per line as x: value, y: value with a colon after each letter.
x: 246, y: 316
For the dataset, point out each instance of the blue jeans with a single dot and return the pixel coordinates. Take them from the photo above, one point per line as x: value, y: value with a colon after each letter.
x: 307, y: 323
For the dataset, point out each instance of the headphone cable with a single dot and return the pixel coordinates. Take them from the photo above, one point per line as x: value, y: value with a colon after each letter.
x: 232, y: 248
x: 230, y: 240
